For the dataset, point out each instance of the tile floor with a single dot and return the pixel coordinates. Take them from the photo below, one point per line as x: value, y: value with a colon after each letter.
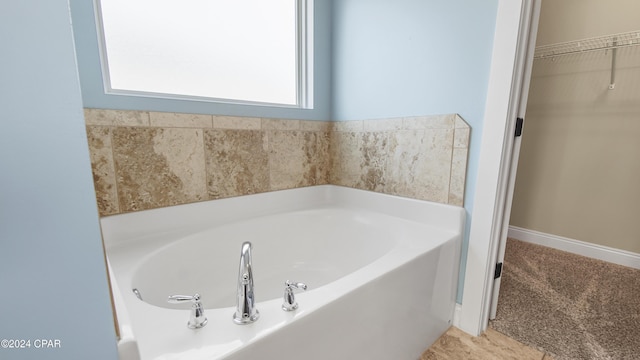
x: 455, y: 344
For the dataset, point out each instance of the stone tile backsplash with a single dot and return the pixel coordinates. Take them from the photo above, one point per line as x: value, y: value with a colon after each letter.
x: 423, y: 157
x: 143, y: 160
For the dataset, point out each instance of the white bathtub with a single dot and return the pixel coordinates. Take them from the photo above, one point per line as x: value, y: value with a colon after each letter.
x: 381, y: 272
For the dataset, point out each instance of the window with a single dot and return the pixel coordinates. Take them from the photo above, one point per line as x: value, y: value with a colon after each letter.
x: 248, y: 51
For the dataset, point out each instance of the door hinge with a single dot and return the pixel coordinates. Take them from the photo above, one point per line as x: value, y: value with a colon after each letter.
x: 498, y: 271
x: 519, y: 123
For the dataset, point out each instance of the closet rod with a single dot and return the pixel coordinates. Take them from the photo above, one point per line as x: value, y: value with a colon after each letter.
x: 608, y: 42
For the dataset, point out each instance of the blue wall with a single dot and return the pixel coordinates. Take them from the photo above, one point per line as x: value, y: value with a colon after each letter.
x: 53, y: 281
x: 392, y: 58
x: 93, y: 90
x: 415, y: 57
x: 373, y: 59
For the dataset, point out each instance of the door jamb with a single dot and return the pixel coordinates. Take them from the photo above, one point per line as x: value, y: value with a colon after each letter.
x: 501, y: 109
x: 528, y: 36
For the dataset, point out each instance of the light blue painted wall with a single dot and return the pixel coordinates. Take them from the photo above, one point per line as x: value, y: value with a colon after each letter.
x: 53, y: 281
x: 374, y: 59
x: 93, y: 90
x: 415, y: 57
x: 392, y: 58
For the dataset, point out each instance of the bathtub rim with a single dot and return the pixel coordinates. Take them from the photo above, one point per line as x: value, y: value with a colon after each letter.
x: 301, y: 199
x: 120, y: 228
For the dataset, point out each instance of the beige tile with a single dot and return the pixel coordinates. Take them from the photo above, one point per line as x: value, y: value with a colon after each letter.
x: 404, y: 148
x: 237, y: 123
x: 184, y: 151
x: 316, y: 145
x: 420, y: 164
x: 459, y: 122
x: 458, y: 176
x: 116, y: 117
x: 411, y: 163
x: 373, y: 166
x: 383, y: 124
x: 295, y: 159
x: 461, y: 137
x: 313, y: 125
x: 167, y: 119
x: 101, y: 153
x: 237, y: 162
x: 446, y: 121
x: 348, y: 126
x: 280, y: 124
x: 286, y: 160
x: 345, y: 159
x: 456, y: 344
x: 427, y: 161
x: 432, y: 173
x: 158, y: 167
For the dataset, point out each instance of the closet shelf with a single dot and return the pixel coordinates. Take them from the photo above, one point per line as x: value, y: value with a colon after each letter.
x: 608, y: 42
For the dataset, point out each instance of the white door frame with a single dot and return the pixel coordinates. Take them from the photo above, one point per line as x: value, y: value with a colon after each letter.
x: 528, y: 34
x: 510, y: 45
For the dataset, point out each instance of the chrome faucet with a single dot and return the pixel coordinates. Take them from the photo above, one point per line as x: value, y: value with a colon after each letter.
x: 197, y: 319
x: 289, y: 303
x: 246, y: 311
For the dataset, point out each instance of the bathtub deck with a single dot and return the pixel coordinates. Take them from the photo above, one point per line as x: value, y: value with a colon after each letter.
x: 386, y: 308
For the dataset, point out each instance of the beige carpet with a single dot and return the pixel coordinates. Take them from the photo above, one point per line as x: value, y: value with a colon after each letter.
x: 567, y: 305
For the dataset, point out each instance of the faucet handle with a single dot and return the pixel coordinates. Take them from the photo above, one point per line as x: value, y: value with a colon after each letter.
x: 177, y: 299
x: 197, y: 319
x: 290, y: 303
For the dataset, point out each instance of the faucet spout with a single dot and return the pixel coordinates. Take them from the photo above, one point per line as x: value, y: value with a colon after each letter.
x: 246, y: 311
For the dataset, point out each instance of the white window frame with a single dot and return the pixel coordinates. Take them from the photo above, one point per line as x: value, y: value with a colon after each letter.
x: 304, y: 65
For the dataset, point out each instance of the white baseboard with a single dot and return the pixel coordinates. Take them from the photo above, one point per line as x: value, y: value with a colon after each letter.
x: 604, y: 253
